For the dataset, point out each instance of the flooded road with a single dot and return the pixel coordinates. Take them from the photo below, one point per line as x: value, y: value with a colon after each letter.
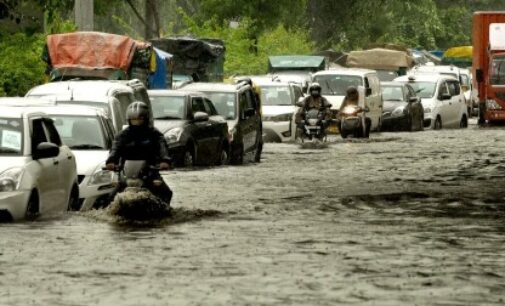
x: 400, y: 219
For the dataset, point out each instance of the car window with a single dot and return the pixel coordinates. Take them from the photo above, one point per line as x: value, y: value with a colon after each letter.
x: 38, y: 133
x: 276, y: 95
x: 298, y: 93
x: 336, y: 84
x: 443, y: 90
x: 169, y: 107
x: 392, y: 93
x: 454, y: 88
x: 225, y: 103
x: 51, y: 132
x: 250, y: 99
x: 209, y: 108
x: 79, y: 132
x: 197, y: 105
x: 11, y: 136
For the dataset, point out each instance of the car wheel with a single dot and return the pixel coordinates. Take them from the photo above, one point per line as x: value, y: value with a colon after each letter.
x: 237, y: 157
x: 73, y: 200
x: 223, y: 157
x: 464, y: 122
x: 421, y: 124
x: 438, y: 124
x: 189, y: 156
x: 257, y: 154
x: 32, y: 208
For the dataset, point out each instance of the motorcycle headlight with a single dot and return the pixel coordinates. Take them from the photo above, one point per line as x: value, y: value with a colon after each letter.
x: 101, y: 177
x: 313, y: 121
x: 173, y: 135
x: 398, y: 112
x: 349, y: 110
x: 492, y: 104
x: 10, y: 179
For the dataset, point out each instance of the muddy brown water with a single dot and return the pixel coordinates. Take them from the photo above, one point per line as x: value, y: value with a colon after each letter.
x: 400, y: 219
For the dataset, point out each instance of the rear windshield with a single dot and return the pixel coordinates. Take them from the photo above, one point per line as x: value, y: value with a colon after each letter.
x: 11, y: 136
x: 336, y: 85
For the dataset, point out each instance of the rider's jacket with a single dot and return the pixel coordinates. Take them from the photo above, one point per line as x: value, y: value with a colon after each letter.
x: 309, y: 103
x: 139, y: 143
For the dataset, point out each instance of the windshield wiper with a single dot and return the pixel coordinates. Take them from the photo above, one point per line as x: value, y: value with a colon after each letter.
x: 167, y: 118
x: 86, y: 147
x: 8, y: 150
x: 329, y: 87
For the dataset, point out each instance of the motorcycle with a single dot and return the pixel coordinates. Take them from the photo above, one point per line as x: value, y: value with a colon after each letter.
x: 353, y: 122
x: 134, y: 199
x: 314, y: 126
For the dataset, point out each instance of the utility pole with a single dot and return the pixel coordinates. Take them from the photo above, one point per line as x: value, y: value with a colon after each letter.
x: 84, y: 11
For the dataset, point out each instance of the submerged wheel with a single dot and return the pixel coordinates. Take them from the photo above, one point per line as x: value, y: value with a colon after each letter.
x: 73, y: 200
x: 237, y: 158
x: 464, y: 122
x: 223, y: 155
x: 189, y: 157
x: 438, y: 124
x: 32, y: 208
x: 257, y: 153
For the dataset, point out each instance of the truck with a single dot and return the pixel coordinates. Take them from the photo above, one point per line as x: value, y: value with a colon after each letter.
x: 488, y: 64
x: 388, y: 63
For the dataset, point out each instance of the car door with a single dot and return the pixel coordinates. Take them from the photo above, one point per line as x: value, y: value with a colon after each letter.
x: 48, y: 180
x: 65, y: 162
x: 250, y: 120
x: 216, y: 122
x: 457, y: 103
x: 415, y: 108
x: 443, y: 104
x: 202, y: 132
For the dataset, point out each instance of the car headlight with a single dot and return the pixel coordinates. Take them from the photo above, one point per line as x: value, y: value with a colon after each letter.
x: 101, y: 177
x: 492, y: 104
x: 173, y: 135
x: 398, y: 112
x: 10, y: 179
x: 427, y: 110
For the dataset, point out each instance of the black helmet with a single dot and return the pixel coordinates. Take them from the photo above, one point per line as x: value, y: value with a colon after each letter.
x: 315, y: 89
x: 137, y: 110
x: 352, y: 90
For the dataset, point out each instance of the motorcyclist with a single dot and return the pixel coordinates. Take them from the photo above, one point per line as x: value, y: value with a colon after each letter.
x: 314, y: 101
x: 139, y: 141
x: 352, y: 98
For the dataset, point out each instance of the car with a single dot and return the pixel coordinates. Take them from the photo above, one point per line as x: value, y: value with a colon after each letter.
x: 402, y: 107
x: 469, y: 91
x: 335, y: 82
x: 240, y: 105
x: 194, y: 131
x: 38, y: 173
x: 443, y: 101
x: 112, y: 96
x: 89, y: 133
x: 278, y: 106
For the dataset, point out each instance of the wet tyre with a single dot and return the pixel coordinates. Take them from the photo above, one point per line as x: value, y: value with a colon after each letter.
x: 73, y: 200
x: 32, y: 208
x: 438, y: 124
x: 224, y: 156
x: 237, y: 157
x: 463, y: 124
x: 188, y: 156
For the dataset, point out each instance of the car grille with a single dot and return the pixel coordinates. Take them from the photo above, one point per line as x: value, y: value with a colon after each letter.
x: 80, y: 178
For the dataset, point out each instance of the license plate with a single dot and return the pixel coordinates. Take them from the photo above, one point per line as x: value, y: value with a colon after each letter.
x: 333, y: 129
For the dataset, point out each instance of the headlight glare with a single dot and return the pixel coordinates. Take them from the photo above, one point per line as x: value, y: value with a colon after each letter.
x: 174, y: 135
x: 398, y: 112
x: 101, y: 177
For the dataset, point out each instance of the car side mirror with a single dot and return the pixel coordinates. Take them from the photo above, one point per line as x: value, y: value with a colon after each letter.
x: 46, y: 150
x: 479, y: 75
x: 200, y: 116
x: 413, y: 99
x: 368, y: 91
x: 445, y: 96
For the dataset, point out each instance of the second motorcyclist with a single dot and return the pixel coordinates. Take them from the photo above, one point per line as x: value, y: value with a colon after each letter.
x: 139, y: 141
x: 352, y: 98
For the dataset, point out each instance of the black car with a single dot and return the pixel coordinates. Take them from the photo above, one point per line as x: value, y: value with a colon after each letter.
x: 240, y: 105
x: 402, y: 108
x: 195, y: 133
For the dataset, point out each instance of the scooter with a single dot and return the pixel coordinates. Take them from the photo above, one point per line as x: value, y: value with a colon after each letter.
x: 353, y: 122
x: 314, y: 126
x: 134, y: 200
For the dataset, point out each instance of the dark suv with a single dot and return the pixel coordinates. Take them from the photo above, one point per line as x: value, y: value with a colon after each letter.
x: 240, y: 105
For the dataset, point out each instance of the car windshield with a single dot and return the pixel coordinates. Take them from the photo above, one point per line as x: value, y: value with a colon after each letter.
x: 168, y: 107
x: 424, y: 89
x: 386, y: 75
x: 392, y: 93
x: 11, y: 136
x: 276, y: 95
x: 336, y: 84
x: 498, y: 71
x: 80, y: 132
x: 225, y: 103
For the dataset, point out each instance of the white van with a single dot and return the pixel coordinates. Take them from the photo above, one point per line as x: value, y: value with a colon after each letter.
x: 334, y: 84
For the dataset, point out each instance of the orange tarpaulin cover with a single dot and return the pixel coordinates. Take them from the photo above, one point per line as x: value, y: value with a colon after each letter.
x: 93, y: 50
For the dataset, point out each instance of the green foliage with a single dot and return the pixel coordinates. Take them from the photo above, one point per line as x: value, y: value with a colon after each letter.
x: 20, y: 62
x: 245, y: 55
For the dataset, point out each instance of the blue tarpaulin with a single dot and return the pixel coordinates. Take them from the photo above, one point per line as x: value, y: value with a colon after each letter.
x: 161, y: 78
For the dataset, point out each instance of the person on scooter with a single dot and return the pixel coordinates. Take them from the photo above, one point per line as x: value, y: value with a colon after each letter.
x: 139, y: 141
x: 352, y: 98
x: 314, y: 101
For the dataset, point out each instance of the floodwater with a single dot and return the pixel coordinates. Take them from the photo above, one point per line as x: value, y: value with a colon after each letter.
x: 400, y: 219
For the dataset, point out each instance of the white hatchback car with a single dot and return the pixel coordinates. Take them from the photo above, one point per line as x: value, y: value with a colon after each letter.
x: 89, y: 133
x: 442, y: 98
x: 37, y: 172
